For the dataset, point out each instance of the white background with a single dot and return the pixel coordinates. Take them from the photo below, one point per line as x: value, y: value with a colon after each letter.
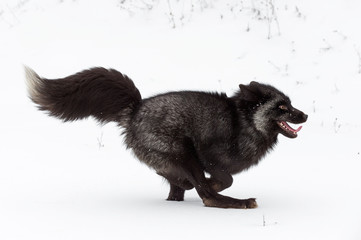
x: 77, y: 180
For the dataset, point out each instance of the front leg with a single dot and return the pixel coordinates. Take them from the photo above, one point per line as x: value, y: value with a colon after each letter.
x: 219, y: 180
x: 206, y: 188
x: 221, y: 201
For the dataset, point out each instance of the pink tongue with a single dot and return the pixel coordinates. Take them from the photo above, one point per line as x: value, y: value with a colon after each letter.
x: 298, y: 129
x: 291, y: 129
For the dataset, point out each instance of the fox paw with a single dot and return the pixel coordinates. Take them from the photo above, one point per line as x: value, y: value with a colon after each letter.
x: 226, y: 202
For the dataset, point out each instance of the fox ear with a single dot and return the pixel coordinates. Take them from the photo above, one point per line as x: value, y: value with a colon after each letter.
x: 248, y: 93
x: 255, y: 84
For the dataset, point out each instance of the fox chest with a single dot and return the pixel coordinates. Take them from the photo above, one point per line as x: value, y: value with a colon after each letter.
x: 237, y: 157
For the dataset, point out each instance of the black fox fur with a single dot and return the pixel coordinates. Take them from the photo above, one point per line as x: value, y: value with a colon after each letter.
x: 182, y: 135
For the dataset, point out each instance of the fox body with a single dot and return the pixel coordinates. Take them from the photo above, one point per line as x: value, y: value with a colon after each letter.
x: 181, y: 135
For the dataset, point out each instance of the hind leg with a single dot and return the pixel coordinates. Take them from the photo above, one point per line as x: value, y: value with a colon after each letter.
x: 176, y: 193
x: 185, y: 172
x: 178, y: 185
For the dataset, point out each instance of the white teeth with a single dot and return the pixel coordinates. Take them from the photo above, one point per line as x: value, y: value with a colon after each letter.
x: 287, y: 129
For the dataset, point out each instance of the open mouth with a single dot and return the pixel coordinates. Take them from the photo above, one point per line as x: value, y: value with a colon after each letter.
x: 288, y: 129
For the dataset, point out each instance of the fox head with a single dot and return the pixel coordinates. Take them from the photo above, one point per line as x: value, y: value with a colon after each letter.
x: 271, y: 109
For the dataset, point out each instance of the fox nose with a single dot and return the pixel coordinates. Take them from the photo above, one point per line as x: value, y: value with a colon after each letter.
x: 305, y: 116
x: 299, y: 115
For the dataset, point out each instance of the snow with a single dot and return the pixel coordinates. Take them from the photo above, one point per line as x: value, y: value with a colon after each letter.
x: 77, y: 180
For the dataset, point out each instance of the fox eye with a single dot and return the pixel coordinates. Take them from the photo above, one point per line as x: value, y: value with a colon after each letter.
x: 283, y: 107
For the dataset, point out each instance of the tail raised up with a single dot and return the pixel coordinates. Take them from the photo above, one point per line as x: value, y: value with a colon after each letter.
x: 105, y: 94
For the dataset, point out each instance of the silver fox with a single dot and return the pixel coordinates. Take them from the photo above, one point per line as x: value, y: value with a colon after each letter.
x: 181, y: 135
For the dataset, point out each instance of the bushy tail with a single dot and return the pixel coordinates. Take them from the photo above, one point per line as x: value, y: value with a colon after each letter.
x: 105, y: 94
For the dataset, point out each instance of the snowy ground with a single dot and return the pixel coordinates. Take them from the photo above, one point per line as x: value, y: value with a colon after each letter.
x: 77, y: 181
